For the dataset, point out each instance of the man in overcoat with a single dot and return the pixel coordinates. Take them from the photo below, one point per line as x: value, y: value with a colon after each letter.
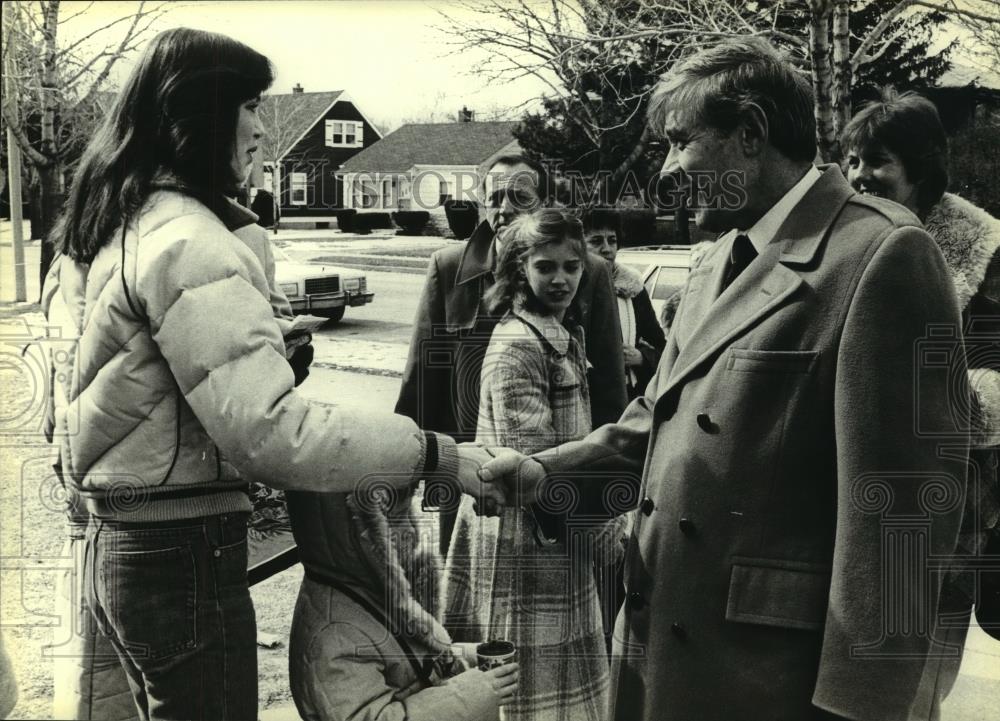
x: 798, y: 456
x: 440, y: 387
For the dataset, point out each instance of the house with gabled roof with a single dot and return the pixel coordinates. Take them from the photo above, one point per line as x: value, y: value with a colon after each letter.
x: 421, y: 165
x: 308, y: 137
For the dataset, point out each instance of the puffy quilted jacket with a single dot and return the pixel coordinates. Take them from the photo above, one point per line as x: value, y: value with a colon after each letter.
x: 176, y: 390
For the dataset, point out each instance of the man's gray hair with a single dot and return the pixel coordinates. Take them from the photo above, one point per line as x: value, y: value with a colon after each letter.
x: 717, y: 85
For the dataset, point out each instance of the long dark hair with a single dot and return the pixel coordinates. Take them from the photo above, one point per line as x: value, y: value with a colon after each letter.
x: 176, y: 114
x: 520, y: 239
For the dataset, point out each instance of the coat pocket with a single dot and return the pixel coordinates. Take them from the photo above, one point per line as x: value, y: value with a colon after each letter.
x: 745, y: 360
x: 773, y: 592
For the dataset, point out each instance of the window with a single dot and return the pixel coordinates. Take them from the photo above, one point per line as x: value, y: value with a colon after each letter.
x: 344, y: 134
x: 388, y: 186
x: 268, y: 184
x: 365, y: 192
x: 299, y: 184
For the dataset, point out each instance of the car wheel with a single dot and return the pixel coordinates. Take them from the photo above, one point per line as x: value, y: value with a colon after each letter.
x: 333, y: 314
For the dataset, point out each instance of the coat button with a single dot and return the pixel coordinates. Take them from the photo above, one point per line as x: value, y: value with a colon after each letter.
x: 647, y: 505
x: 687, y: 527
x: 216, y: 553
x: 679, y: 631
x: 705, y: 423
x: 635, y: 600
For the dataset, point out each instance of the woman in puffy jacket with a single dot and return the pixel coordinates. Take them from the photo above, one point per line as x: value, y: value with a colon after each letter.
x: 177, y: 391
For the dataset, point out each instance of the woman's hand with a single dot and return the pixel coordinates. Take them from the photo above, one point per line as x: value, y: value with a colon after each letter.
x: 633, y: 358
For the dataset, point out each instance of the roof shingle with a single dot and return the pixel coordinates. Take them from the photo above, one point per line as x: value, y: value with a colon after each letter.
x: 296, y: 113
x: 432, y: 144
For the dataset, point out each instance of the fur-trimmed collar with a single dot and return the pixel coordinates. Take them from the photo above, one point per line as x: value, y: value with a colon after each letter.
x: 628, y: 283
x: 968, y: 237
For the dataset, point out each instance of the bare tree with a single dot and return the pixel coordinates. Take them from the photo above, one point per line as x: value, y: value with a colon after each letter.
x: 58, y: 85
x: 283, y: 116
x: 566, y: 43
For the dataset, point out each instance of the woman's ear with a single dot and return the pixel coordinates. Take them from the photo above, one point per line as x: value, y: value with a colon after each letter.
x: 753, y: 129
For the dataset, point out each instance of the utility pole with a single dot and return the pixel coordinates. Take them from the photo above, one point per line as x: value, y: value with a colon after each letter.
x: 14, y: 163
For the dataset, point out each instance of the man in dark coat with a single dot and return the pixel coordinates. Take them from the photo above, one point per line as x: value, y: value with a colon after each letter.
x: 800, y: 454
x: 440, y: 387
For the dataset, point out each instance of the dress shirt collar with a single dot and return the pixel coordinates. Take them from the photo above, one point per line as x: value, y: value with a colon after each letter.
x: 764, y: 230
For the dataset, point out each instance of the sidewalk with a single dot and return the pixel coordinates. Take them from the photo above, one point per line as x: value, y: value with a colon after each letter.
x: 32, y: 252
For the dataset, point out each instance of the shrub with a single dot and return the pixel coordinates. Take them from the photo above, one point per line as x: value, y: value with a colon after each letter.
x: 345, y: 219
x: 365, y: 223
x: 463, y: 217
x: 411, y: 222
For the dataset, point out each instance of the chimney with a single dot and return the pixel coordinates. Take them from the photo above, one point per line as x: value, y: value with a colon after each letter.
x: 465, y: 115
x: 297, y: 90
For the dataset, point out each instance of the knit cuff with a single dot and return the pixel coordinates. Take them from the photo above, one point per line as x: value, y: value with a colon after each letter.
x: 440, y: 457
x: 447, y: 457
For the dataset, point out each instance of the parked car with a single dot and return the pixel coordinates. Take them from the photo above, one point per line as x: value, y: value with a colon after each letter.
x: 664, y: 269
x: 317, y: 289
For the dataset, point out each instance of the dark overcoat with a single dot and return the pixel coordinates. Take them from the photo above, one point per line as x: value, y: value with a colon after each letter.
x: 795, y: 477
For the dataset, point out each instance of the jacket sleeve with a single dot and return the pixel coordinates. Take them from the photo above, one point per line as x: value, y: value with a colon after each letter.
x: 348, y: 686
x: 469, y: 695
x: 257, y: 239
x: 650, y: 332
x: 280, y: 307
x: 892, y: 465
x: 205, y: 297
x: 424, y: 390
x: 604, y: 347
x: 615, y: 451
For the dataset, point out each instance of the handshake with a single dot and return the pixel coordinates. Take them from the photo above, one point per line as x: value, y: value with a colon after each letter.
x: 497, y: 477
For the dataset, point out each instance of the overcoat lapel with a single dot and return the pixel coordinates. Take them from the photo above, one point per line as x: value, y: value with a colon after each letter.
x: 711, y: 318
x: 463, y: 303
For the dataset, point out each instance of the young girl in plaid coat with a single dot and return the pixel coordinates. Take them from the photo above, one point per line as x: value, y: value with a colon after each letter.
x: 503, y: 580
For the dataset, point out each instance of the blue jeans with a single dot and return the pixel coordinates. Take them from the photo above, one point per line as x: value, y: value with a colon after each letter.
x: 173, y: 600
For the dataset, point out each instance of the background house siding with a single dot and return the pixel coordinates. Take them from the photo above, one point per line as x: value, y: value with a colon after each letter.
x: 324, y: 191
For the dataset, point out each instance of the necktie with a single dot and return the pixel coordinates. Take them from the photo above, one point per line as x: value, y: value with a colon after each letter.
x: 740, y: 257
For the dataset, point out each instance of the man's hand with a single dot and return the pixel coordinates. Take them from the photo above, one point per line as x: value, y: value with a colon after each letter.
x: 490, y: 498
x: 519, y: 475
x: 633, y: 358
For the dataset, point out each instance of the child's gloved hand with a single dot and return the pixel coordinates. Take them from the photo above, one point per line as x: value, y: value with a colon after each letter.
x: 504, y: 679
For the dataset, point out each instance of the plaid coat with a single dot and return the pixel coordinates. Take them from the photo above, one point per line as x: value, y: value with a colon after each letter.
x: 498, y: 582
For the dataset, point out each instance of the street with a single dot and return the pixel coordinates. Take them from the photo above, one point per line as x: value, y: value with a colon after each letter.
x: 389, y: 317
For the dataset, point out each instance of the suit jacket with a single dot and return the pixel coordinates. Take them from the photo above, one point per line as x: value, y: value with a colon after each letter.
x: 440, y: 387
x: 790, y: 443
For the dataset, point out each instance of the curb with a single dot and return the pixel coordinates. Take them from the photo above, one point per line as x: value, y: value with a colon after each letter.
x: 374, y: 267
